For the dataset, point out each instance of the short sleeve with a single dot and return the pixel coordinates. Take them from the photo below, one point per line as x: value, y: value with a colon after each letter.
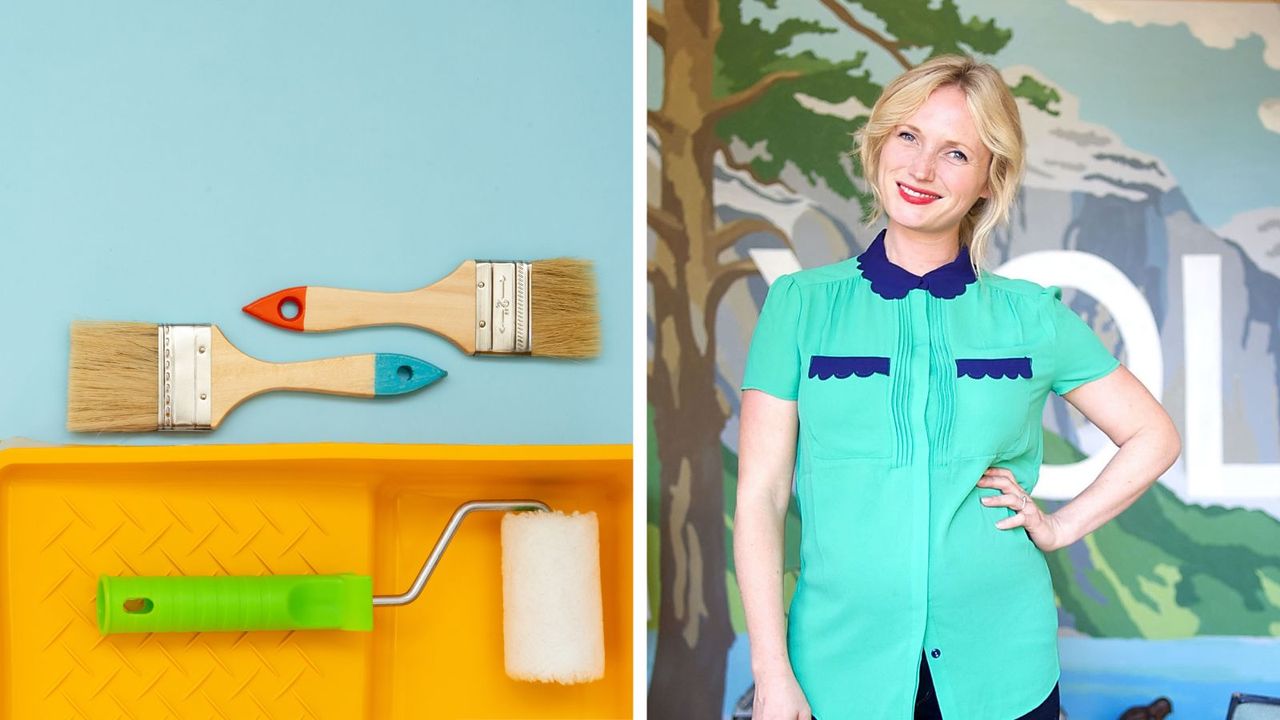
x: 773, y: 361
x: 1079, y: 355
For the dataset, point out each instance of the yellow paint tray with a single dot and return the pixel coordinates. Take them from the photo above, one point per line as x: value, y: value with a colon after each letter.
x: 71, y: 514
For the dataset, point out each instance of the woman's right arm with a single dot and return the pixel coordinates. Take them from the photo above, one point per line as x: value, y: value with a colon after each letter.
x: 766, y: 457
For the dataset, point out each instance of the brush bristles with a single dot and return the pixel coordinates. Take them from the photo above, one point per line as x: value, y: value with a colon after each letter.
x: 112, y: 377
x: 564, y: 309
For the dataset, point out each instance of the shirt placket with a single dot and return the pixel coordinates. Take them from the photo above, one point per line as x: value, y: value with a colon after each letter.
x: 936, y: 423
x: 918, y: 313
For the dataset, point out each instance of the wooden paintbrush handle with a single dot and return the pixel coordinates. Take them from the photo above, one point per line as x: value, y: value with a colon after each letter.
x: 349, y: 375
x: 446, y: 308
x: 238, y: 377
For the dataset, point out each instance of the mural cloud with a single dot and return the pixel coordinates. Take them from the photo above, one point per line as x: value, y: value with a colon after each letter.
x: 1269, y: 113
x: 1208, y: 22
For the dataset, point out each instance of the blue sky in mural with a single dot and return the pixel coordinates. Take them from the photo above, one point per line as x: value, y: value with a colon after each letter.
x: 1199, y: 108
x: 1197, y: 112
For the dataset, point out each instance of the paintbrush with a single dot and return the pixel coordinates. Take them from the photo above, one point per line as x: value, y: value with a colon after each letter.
x: 544, y: 307
x: 129, y: 377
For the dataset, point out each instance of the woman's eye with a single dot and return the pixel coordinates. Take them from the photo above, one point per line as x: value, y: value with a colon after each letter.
x: 906, y: 136
x: 956, y: 154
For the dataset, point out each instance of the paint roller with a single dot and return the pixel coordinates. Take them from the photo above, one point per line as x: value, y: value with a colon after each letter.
x: 553, y: 629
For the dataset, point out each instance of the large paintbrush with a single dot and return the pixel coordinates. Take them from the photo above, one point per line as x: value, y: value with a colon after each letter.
x: 545, y: 307
x: 131, y: 377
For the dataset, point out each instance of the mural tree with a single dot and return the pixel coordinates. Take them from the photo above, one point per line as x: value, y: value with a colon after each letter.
x: 727, y: 76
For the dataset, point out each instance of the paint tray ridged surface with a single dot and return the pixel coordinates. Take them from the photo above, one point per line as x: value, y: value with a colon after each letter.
x: 71, y: 514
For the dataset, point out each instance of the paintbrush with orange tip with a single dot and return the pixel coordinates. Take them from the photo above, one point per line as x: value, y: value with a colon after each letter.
x: 544, y: 307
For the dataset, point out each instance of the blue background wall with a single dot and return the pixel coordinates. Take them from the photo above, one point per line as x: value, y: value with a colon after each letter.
x: 170, y: 162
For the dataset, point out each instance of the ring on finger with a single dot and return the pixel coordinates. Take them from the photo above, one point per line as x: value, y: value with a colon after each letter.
x: 1025, y: 500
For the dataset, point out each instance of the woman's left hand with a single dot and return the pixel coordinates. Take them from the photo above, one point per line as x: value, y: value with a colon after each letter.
x: 1044, y: 530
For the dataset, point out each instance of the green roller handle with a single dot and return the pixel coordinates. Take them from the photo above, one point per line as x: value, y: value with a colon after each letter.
x: 212, y: 604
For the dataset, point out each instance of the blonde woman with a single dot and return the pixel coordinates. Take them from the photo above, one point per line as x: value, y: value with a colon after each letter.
x: 904, y: 388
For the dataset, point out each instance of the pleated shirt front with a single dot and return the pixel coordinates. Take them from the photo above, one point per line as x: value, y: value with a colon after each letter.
x: 908, y: 388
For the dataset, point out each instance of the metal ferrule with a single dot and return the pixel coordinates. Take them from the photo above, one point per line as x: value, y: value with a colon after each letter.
x: 185, y: 377
x: 503, y: 300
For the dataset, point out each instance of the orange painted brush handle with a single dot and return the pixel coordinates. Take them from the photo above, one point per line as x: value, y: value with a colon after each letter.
x: 276, y: 307
x: 446, y: 308
x: 323, y: 309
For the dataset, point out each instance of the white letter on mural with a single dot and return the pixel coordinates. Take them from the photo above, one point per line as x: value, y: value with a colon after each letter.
x: 774, y: 263
x: 1208, y: 477
x: 1104, y: 281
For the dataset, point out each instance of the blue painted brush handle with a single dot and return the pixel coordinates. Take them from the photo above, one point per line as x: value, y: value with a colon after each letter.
x: 371, y: 375
x: 395, y: 374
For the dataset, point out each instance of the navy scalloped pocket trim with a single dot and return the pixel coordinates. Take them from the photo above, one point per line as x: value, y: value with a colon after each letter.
x: 997, y: 368
x: 825, y: 367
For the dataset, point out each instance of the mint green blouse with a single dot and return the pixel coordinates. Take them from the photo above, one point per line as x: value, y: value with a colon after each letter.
x: 908, y: 388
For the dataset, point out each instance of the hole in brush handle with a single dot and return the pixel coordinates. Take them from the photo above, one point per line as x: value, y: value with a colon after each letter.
x: 285, y: 308
x: 289, y: 308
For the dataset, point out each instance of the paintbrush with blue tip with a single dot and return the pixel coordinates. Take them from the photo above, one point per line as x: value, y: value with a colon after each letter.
x: 137, y: 377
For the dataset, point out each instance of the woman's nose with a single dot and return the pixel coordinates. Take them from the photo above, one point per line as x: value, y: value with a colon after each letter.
x: 922, y: 167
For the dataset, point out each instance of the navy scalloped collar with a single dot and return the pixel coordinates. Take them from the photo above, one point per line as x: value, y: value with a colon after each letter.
x: 893, y: 283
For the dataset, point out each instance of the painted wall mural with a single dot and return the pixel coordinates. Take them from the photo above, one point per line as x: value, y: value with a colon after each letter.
x: 1152, y: 196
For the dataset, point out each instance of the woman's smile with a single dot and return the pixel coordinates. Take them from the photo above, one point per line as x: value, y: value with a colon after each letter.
x: 915, y: 195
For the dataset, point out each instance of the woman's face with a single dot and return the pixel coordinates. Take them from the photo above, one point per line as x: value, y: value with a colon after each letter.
x: 933, y: 167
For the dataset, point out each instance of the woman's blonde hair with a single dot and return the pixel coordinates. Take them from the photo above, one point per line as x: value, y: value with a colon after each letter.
x: 994, y: 113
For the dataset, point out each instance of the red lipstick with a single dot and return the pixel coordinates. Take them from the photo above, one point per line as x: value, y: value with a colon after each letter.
x: 916, y: 199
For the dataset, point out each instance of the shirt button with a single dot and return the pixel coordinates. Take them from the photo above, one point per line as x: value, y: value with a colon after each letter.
x: 936, y: 653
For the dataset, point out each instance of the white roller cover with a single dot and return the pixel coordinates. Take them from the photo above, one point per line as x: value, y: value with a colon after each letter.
x: 551, y: 620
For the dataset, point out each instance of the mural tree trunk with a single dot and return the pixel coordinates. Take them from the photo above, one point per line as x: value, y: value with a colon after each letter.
x: 688, y: 281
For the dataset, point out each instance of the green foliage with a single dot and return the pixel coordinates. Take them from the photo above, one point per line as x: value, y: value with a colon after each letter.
x: 1164, y: 568
x: 653, y: 568
x: 813, y: 142
x: 819, y: 145
x: 1037, y: 93
x: 1219, y: 551
x: 1087, y: 597
x: 917, y: 24
x: 748, y: 52
x: 1058, y: 451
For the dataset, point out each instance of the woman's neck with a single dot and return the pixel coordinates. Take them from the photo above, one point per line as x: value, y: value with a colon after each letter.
x: 919, y: 253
